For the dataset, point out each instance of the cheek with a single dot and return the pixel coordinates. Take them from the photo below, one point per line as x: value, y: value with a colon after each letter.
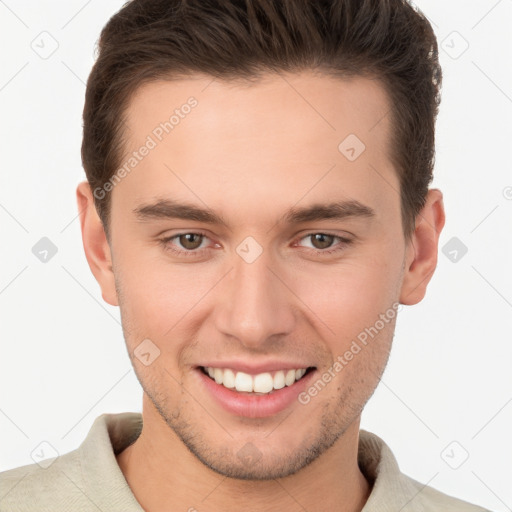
x: 157, y: 296
x: 347, y: 298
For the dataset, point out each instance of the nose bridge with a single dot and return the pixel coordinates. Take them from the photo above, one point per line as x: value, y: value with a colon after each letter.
x: 255, y: 303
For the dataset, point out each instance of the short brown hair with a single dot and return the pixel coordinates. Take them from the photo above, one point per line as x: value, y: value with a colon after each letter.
x: 388, y: 40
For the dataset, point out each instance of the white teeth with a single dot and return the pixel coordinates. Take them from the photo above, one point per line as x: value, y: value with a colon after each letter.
x: 218, y: 374
x: 290, y: 377
x: 243, y: 382
x: 229, y: 378
x: 261, y: 383
x: 279, y: 380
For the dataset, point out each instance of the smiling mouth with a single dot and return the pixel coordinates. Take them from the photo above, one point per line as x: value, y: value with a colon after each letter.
x: 260, y: 384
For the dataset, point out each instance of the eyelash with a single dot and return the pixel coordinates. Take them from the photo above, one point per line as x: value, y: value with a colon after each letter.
x: 195, y: 252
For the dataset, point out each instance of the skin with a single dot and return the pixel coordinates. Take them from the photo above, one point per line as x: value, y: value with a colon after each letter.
x: 250, y: 152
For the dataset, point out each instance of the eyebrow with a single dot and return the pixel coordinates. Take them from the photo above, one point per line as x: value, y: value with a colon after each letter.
x: 172, y: 209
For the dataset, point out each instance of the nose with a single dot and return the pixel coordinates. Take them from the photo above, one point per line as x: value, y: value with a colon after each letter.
x: 256, y: 306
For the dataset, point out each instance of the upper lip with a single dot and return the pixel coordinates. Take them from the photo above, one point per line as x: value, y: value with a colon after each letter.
x: 254, y: 369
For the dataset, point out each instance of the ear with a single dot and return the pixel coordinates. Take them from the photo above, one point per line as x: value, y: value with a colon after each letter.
x: 96, y: 247
x: 421, y: 252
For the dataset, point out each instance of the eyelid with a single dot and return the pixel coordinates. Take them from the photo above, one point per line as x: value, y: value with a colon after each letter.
x: 311, y: 233
x: 183, y: 252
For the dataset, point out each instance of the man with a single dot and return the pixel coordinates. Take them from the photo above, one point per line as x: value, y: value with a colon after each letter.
x: 257, y: 205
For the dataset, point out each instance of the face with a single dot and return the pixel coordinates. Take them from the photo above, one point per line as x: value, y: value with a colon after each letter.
x: 265, y: 284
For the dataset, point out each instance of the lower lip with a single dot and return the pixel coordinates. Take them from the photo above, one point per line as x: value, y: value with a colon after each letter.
x: 255, y: 406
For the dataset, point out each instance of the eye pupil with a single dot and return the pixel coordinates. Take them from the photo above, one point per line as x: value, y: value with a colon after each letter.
x: 317, y: 237
x: 190, y: 244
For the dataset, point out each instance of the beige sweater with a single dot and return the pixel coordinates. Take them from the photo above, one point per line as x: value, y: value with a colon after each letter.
x: 89, y: 478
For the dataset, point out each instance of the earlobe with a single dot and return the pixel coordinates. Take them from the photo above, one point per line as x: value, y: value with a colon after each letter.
x: 96, y: 247
x: 421, y: 255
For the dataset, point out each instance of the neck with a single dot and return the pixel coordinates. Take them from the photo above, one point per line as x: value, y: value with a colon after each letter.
x: 163, y: 474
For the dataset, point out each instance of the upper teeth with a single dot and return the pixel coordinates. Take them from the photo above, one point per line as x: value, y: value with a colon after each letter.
x: 260, y: 383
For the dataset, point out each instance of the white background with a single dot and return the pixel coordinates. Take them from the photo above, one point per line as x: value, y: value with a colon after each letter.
x: 63, y: 359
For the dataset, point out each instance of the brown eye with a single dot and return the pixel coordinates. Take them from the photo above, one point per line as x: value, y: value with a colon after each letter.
x: 321, y: 240
x: 190, y: 241
x: 322, y: 244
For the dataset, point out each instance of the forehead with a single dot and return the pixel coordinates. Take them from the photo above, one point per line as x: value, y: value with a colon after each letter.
x: 301, y: 103
x: 279, y: 139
